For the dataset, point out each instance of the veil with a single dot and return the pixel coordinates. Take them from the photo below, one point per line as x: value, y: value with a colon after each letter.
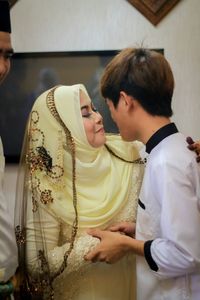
x: 34, y: 158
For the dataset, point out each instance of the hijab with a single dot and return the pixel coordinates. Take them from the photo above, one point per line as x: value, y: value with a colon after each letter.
x: 102, y: 180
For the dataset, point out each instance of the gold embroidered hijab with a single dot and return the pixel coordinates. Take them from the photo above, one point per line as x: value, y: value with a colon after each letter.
x: 102, y: 185
x: 79, y: 185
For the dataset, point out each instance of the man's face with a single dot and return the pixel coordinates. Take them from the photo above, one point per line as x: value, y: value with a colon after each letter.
x: 6, y: 52
x: 122, y: 119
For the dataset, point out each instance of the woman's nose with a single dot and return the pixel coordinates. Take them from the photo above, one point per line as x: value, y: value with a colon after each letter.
x: 98, y: 117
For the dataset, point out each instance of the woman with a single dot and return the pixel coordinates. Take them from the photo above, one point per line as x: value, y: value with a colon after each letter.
x: 75, y: 178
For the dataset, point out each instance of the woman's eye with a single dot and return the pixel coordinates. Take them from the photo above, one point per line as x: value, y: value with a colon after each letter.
x: 86, y: 113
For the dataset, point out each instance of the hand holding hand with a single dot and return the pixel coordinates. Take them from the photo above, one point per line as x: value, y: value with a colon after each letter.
x: 127, y: 228
x: 113, y: 246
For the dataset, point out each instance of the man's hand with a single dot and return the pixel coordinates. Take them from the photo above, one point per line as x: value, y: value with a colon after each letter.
x: 127, y: 228
x: 194, y: 146
x: 113, y: 246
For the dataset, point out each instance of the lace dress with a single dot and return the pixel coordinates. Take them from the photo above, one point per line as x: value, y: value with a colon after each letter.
x: 83, y: 280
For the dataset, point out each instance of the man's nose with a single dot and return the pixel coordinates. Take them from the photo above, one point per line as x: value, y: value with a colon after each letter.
x: 4, y: 65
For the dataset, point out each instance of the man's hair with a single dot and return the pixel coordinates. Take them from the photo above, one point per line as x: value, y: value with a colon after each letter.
x: 143, y: 74
x: 5, y: 25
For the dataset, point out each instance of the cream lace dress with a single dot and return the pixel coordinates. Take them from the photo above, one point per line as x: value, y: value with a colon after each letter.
x: 83, y: 280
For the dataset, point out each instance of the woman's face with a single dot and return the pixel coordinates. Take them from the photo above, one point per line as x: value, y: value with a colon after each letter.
x: 92, y: 122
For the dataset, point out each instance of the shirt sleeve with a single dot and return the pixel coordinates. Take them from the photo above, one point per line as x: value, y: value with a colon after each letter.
x: 176, y: 251
x: 8, y: 247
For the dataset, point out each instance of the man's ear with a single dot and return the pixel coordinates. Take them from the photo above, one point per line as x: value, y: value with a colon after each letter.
x: 127, y: 101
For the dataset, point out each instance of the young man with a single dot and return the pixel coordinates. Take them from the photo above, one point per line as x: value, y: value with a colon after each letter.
x: 138, y: 87
x: 8, y: 248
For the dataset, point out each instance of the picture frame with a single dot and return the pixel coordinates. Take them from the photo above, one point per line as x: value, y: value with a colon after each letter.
x: 154, y: 10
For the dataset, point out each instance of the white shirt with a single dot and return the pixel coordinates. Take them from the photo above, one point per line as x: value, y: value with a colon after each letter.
x: 169, y: 219
x: 8, y: 248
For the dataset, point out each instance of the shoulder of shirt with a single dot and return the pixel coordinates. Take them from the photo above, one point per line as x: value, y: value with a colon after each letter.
x: 174, y: 150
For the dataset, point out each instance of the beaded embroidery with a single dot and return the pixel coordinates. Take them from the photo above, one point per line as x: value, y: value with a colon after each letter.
x: 20, y: 235
x: 41, y: 167
x: 38, y: 159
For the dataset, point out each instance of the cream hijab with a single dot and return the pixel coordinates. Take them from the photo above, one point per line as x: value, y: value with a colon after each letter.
x: 102, y: 180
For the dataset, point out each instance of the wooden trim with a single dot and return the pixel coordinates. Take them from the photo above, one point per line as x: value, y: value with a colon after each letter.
x: 12, y: 3
x: 154, y: 10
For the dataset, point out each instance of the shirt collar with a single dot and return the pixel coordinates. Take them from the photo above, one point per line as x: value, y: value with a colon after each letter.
x: 160, y: 135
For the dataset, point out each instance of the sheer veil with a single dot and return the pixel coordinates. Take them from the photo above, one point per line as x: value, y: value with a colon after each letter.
x: 34, y: 158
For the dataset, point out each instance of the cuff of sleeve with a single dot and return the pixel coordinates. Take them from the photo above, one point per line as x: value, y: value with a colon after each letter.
x: 147, y: 253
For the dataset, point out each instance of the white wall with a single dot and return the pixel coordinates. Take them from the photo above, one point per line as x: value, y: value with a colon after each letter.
x: 67, y: 25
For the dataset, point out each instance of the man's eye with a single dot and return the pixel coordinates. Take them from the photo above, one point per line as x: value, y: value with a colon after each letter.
x: 8, y: 55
